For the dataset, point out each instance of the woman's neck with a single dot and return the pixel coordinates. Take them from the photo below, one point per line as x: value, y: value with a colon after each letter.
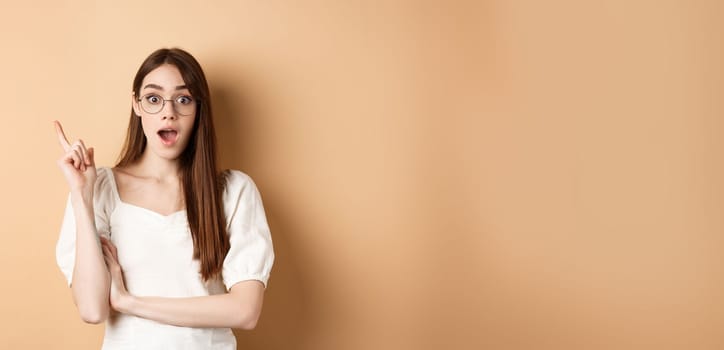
x: 151, y: 165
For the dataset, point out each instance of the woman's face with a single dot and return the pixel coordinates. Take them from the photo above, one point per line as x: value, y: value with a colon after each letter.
x: 166, y: 124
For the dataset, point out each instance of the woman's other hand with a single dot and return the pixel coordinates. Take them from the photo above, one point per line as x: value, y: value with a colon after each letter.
x: 119, y: 296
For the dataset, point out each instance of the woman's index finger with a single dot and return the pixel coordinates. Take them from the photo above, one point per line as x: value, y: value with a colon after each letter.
x: 61, y: 135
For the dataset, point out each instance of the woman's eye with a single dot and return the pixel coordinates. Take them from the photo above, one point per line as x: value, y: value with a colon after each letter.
x: 184, y: 100
x: 154, y: 99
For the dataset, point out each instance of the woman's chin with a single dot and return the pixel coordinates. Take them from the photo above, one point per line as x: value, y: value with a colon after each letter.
x: 167, y: 153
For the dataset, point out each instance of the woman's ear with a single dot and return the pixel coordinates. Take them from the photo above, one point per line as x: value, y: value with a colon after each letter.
x: 134, y: 104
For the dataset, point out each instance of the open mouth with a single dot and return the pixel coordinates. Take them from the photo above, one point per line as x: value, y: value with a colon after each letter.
x: 168, y: 136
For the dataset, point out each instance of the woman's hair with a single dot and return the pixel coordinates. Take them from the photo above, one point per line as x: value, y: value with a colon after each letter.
x: 202, y: 183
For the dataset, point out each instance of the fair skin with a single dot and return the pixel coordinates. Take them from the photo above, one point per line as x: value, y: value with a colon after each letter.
x: 152, y: 183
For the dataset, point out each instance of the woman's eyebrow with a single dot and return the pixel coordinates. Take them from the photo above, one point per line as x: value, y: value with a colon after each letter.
x: 154, y: 86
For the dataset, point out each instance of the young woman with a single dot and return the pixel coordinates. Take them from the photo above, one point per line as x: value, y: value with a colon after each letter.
x: 166, y: 249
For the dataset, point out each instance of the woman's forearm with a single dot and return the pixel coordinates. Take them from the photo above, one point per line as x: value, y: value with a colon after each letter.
x: 240, y: 308
x: 91, y: 280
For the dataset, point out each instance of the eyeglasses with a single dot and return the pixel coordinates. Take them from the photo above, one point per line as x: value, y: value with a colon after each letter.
x: 153, y: 103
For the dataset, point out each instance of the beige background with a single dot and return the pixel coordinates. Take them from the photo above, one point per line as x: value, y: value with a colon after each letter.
x: 437, y: 174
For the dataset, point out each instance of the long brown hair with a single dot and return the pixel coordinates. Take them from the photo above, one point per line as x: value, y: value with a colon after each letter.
x: 202, y: 183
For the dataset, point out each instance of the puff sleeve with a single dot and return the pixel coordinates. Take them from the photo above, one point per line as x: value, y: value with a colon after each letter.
x: 251, y: 255
x: 102, y: 200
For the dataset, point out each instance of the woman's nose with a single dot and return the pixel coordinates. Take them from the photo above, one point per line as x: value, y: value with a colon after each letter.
x: 168, y: 111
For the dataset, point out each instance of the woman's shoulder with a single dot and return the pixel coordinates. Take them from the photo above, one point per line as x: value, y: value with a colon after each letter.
x: 235, y: 180
x: 104, y: 178
x: 239, y: 190
x: 237, y: 185
x: 104, y: 189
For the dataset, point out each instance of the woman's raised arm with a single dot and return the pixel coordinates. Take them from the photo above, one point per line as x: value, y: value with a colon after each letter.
x: 90, y: 279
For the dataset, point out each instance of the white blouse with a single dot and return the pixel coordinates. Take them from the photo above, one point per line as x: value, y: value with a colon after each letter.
x: 156, y: 254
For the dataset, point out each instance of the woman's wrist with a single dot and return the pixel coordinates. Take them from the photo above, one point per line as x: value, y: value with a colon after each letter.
x: 81, y: 197
x: 125, y: 303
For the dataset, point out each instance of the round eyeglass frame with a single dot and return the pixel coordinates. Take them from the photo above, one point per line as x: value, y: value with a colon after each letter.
x: 163, y: 104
